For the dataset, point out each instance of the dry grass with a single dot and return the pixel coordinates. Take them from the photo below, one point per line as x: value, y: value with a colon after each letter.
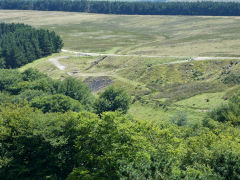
x: 143, y: 35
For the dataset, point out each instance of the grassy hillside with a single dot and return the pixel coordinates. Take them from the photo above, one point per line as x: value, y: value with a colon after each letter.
x: 160, y: 87
x: 141, y: 35
x: 155, y: 71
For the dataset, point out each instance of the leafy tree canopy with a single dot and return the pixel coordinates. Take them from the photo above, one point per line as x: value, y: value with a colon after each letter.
x: 112, y: 99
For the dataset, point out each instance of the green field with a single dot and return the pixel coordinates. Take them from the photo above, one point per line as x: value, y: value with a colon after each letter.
x: 155, y: 71
x: 142, y: 35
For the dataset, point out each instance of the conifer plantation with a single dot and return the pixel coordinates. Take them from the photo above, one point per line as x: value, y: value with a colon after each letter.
x: 21, y: 44
x: 155, y: 7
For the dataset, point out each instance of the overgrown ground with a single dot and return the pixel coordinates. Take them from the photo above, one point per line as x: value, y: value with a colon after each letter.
x: 160, y: 86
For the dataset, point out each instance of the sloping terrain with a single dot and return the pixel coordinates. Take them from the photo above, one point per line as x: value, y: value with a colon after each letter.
x: 135, y: 34
x: 159, y: 87
x: 167, y: 63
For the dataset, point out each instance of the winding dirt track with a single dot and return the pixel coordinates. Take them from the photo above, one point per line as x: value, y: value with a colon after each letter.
x: 133, y: 55
x: 56, y: 62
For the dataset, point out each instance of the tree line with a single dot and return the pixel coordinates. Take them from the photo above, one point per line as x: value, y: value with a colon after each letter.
x: 51, y: 129
x: 120, y: 7
x: 21, y: 44
x: 49, y: 95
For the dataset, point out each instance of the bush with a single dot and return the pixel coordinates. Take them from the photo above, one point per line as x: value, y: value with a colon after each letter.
x: 76, y: 90
x: 32, y: 75
x: 112, y: 99
x: 2, y: 63
x: 5, y: 98
x: 229, y: 112
x: 180, y: 119
x: 56, y: 103
x: 9, y: 78
x: 28, y: 95
x: 45, y: 84
x: 232, y: 78
x: 19, y: 87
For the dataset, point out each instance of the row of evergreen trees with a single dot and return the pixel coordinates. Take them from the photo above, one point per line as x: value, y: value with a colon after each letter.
x: 21, y: 44
x: 119, y: 7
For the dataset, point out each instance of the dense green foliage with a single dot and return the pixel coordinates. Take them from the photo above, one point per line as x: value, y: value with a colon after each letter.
x: 34, y: 145
x: 51, y: 129
x: 44, y: 93
x: 229, y: 112
x: 120, y: 7
x: 48, y: 95
x: 115, y: 146
x: 232, y: 78
x: 56, y: 103
x: 41, y: 137
x: 21, y: 44
x: 76, y: 90
x: 112, y: 99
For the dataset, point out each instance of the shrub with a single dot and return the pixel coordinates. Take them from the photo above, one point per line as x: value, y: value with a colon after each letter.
x: 9, y: 78
x: 32, y: 75
x: 44, y: 84
x: 112, y: 99
x: 76, y: 90
x: 229, y: 112
x: 29, y: 95
x: 56, y: 103
x: 232, y: 78
x: 180, y: 119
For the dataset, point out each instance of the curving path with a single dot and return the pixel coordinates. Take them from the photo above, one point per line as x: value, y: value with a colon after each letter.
x: 133, y: 55
x: 55, y: 60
